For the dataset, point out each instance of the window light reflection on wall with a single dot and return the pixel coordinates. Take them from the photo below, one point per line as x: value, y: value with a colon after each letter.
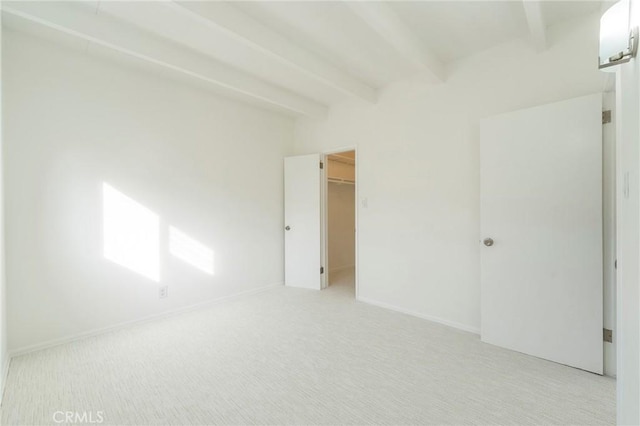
x: 131, y: 234
x: 190, y: 251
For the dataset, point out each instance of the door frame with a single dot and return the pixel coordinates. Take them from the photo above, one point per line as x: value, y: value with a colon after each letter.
x: 324, y: 217
x: 610, y: 184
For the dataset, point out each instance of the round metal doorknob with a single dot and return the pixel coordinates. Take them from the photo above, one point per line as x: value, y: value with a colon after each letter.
x: 488, y: 242
x: 286, y: 228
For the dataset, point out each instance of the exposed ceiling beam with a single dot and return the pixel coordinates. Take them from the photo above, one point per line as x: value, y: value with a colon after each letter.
x: 535, y: 21
x: 109, y: 33
x: 220, y: 16
x: 379, y: 16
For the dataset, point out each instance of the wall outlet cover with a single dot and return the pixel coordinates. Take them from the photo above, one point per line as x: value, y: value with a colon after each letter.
x: 164, y: 291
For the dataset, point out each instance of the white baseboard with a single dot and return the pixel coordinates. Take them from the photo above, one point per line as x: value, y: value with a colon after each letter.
x: 95, y: 332
x: 448, y: 323
x: 341, y: 268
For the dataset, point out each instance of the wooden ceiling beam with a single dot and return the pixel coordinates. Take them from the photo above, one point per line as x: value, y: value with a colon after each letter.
x: 536, y: 23
x: 384, y: 21
x: 107, y: 32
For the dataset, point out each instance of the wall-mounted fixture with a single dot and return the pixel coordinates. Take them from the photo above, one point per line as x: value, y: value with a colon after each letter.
x: 618, y: 38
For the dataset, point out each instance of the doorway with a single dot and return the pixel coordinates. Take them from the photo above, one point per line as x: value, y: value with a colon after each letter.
x: 340, y: 221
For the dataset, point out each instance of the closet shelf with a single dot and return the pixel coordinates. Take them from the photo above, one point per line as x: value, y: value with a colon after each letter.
x: 342, y: 159
x: 341, y: 181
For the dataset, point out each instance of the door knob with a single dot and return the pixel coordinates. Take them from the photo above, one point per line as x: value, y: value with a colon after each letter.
x: 286, y: 228
x: 488, y: 242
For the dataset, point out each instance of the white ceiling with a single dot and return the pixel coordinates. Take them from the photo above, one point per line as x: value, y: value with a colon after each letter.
x: 555, y: 12
x: 333, y: 31
x: 295, y: 57
x: 459, y: 28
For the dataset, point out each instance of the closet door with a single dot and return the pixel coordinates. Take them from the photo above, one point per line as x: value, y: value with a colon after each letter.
x: 541, y: 232
x: 302, y: 221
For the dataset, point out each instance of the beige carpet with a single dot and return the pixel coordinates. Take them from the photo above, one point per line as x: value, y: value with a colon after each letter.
x: 291, y: 356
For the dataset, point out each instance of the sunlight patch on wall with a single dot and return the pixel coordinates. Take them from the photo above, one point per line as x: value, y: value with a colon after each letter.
x: 190, y: 251
x: 131, y: 233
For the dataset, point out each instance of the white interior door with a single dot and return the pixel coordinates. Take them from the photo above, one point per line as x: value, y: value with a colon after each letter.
x: 541, y: 204
x: 302, y: 221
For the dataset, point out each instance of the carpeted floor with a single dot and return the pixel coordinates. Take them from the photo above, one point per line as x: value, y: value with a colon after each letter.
x: 292, y: 356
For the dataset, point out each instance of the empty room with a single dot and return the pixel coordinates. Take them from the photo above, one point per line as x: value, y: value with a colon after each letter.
x: 320, y: 212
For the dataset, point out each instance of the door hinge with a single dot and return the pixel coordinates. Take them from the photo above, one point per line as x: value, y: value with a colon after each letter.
x: 615, y: 264
x: 322, y: 269
x: 321, y: 165
x: 606, y: 116
x: 607, y: 335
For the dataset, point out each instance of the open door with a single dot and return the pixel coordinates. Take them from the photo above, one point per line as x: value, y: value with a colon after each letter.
x: 302, y: 221
x: 541, y: 231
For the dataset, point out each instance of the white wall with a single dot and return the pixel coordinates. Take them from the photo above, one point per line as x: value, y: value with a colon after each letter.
x: 4, y: 357
x: 418, y: 167
x: 628, y: 231
x: 341, y: 214
x: 208, y: 166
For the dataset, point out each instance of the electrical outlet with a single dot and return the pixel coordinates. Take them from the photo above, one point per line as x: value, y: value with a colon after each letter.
x: 164, y: 291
